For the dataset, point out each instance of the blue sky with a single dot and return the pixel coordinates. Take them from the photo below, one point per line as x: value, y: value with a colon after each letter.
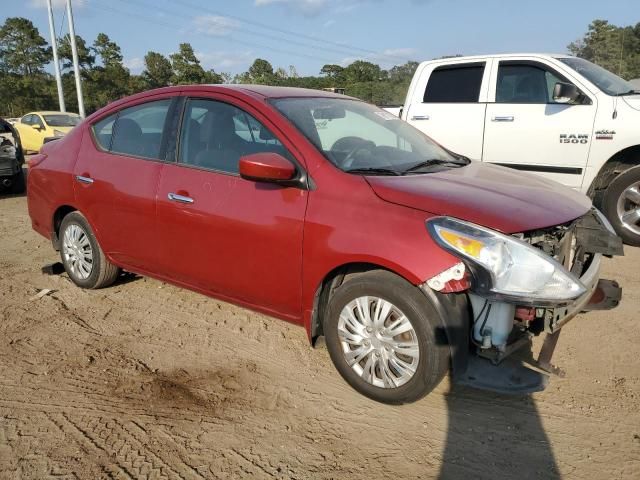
x: 228, y: 35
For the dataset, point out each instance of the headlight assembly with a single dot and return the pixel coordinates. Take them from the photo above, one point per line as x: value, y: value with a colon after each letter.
x: 505, y: 267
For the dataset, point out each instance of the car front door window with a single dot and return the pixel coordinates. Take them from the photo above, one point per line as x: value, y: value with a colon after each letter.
x: 523, y: 83
x: 216, y: 134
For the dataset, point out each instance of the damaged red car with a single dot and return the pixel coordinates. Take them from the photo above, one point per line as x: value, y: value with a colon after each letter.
x: 325, y: 211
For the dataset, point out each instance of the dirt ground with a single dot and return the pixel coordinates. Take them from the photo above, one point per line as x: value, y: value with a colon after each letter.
x: 145, y: 380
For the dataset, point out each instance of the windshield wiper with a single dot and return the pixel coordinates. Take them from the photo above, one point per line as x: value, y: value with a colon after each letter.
x: 630, y: 92
x: 433, y: 161
x: 374, y: 171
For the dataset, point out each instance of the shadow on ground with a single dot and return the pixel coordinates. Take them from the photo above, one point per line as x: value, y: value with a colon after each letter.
x: 495, y: 436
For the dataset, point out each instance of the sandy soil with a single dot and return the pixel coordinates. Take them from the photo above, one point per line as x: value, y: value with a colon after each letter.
x: 145, y: 380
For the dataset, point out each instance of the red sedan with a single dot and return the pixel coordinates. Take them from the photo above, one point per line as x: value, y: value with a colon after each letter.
x: 331, y: 213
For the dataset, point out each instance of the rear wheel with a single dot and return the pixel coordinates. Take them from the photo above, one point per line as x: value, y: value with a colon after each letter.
x: 621, y: 205
x: 381, y: 335
x: 82, y: 256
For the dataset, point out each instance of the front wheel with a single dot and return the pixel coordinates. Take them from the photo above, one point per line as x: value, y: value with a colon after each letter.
x: 621, y: 205
x: 381, y: 335
x: 83, y: 259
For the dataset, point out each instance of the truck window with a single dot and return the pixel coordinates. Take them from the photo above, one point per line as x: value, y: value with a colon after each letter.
x: 455, y: 84
x: 525, y: 84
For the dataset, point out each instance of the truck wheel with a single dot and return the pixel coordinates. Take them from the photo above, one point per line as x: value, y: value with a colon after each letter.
x: 381, y: 335
x: 82, y: 257
x: 621, y: 205
x: 18, y: 184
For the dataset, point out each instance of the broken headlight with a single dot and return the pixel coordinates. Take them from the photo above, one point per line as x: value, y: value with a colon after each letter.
x: 503, y: 266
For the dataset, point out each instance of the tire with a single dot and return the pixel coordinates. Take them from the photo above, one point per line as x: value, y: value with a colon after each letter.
x: 622, y: 197
x: 433, y: 355
x: 78, y: 241
x: 18, y: 184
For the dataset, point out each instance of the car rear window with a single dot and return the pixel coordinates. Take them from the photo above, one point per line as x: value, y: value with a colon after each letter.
x: 138, y: 130
x: 455, y: 84
x: 60, y: 120
x: 103, y: 131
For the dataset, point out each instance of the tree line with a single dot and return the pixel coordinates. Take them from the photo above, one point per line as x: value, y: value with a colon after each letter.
x: 25, y: 85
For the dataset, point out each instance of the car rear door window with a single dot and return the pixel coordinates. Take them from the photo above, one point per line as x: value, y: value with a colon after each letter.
x: 455, y: 84
x: 138, y: 130
x: 216, y: 134
x: 103, y: 131
x: 525, y: 83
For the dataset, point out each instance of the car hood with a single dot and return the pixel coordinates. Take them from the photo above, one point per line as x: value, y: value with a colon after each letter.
x: 496, y: 197
x: 633, y: 101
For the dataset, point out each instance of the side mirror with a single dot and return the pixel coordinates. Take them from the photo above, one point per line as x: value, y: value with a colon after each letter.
x: 37, y: 127
x: 266, y: 167
x: 565, y: 93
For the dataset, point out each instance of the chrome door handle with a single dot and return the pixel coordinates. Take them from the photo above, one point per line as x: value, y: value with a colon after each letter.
x: 82, y: 179
x: 508, y: 118
x: 420, y: 117
x: 174, y: 197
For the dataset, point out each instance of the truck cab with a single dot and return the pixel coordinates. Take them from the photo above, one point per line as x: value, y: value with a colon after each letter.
x: 558, y: 116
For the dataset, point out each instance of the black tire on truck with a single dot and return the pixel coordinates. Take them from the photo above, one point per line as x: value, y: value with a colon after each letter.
x: 621, y: 205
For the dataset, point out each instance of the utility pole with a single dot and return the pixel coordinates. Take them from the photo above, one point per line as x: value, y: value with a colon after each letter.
x: 56, y: 65
x: 74, y: 52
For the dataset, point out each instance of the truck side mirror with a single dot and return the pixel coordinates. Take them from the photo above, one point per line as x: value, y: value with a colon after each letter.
x: 565, y: 93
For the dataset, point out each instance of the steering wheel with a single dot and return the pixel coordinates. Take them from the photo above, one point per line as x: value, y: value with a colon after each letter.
x: 351, y: 145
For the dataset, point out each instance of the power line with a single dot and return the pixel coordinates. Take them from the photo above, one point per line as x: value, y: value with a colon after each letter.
x: 341, y: 51
x: 224, y: 39
x: 283, y: 31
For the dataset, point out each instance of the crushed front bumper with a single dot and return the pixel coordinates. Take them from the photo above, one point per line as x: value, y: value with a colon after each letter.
x: 515, y: 370
x: 601, y: 294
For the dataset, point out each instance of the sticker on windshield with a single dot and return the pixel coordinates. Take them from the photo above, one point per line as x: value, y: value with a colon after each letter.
x: 385, y: 115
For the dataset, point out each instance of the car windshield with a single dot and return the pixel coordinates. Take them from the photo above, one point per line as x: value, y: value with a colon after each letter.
x: 62, y: 120
x: 606, y: 81
x: 360, y: 138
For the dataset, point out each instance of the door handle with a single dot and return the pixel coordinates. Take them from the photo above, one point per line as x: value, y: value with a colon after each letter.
x: 420, y: 117
x: 83, y: 179
x: 174, y: 197
x: 507, y: 118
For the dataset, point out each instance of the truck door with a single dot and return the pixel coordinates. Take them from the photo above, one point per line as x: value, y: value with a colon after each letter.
x: 527, y: 130
x: 448, y: 105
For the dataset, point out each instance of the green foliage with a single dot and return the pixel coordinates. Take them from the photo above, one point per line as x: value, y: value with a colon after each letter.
x: 85, y: 58
x: 186, y: 66
x: 261, y: 72
x: 22, y: 48
x: 361, y: 71
x: 107, y: 50
x: 615, y: 48
x: 158, y: 70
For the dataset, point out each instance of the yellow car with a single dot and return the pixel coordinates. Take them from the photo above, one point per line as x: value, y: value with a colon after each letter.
x: 37, y: 128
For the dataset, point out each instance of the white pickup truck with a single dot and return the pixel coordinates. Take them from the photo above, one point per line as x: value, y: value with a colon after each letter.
x: 556, y: 115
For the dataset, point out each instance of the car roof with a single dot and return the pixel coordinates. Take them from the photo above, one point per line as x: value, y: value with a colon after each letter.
x: 50, y: 112
x: 500, y: 55
x: 259, y: 92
